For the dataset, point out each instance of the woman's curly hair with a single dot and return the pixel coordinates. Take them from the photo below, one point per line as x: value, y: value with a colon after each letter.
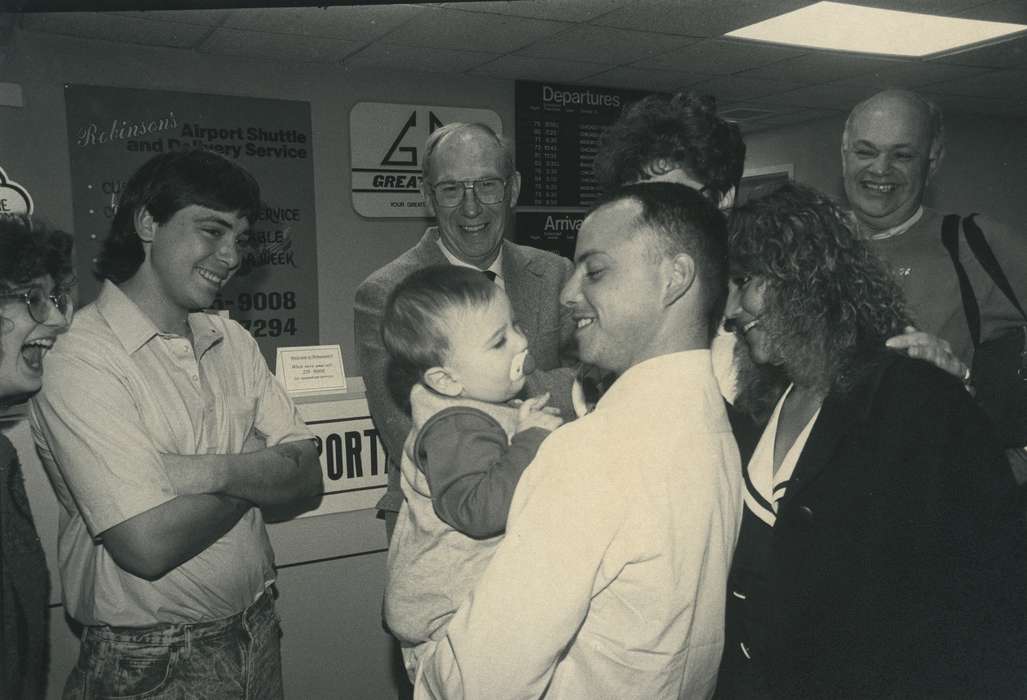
x: 829, y: 303
x: 28, y: 249
x: 683, y: 129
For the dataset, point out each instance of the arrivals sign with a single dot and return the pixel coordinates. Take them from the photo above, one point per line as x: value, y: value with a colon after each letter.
x: 112, y: 131
x: 386, y: 148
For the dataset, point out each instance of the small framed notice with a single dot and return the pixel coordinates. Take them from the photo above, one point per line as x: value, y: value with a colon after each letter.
x: 311, y: 369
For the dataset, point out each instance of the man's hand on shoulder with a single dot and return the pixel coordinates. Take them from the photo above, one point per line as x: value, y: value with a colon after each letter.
x: 929, y: 348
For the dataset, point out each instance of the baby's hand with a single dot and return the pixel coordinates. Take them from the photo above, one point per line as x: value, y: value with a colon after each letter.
x: 533, y: 413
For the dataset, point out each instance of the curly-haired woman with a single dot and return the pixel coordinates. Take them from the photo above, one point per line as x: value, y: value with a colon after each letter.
x: 881, y: 552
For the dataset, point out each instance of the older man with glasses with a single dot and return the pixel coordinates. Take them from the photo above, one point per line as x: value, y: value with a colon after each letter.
x: 470, y: 187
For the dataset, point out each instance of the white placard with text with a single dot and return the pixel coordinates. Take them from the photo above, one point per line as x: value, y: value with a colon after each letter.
x: 311, y: 369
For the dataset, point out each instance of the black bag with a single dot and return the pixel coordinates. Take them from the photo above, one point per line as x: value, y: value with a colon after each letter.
x: 999, y: 371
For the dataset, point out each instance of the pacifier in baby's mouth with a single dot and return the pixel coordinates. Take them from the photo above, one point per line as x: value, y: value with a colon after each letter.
x: 523, y: 363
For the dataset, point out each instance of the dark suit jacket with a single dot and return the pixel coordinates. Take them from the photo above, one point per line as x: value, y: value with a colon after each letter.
x: 533, y: 280
x: 896, y: 567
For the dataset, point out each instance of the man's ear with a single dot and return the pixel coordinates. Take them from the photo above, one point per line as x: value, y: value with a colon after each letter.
x: 429, y: 205
x: 441, y: 380
x: 934, y: 158
x: 515, y: 188
x: 680, y: 279
x: 145, y: 225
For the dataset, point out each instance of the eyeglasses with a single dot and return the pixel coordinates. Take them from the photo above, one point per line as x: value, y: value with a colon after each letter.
x: 39, y: 303
x: 450, y: 193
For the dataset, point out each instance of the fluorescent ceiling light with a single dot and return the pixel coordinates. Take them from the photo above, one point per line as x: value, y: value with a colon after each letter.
x: 840, y: 27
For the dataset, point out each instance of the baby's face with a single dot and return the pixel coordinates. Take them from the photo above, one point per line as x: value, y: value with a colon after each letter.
x: 487, y: 351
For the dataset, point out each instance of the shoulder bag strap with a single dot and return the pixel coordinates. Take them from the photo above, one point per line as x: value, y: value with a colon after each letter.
x: 950, y: 239
x: 982, y: 251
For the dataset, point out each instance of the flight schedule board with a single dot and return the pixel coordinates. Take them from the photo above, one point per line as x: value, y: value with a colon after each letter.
x: 558, y: 129
x: 557, y: 132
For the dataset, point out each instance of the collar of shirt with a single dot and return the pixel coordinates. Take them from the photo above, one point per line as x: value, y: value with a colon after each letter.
x: 496, y: 266
x: 765, y: 488
x: 134, y: 329
x: 900, y: 229
x: 652, y: 374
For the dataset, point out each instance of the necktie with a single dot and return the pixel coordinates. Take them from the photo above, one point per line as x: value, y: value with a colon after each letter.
x: 490, y: 274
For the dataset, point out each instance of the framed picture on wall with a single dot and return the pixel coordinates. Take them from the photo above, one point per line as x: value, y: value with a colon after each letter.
x: 762, y: 179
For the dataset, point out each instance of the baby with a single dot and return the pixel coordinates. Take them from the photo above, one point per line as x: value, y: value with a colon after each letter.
x: 468, y: 445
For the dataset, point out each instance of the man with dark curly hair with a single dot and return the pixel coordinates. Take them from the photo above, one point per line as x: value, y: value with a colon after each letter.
x: 881, y: 552
x: 675, y: 138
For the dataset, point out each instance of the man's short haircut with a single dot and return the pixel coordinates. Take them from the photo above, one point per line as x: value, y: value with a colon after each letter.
x: 165, y: 184
x: 414, y: 329
x: 935, y: 119
x: 684, y: 221
x: 436, y: 137
x: 683, y: 129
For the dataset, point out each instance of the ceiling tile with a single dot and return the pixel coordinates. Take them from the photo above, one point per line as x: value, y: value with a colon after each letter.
x: 206, y: 18
x: 542, y: 69
x: 585, y: 42
x: 1012, y: 52
x: 820, y: 67
x: 828, y: 96
x: 116, y: 28
x: 732, y: 88
x: 789, y: 119
x: 1001, y: 11
x: 1009, y: 84
x: 278, y: 47
x: 651, y: 79
x: 563, y: 10
x: 415, y: 58
x: 721, y: 57
x: 357, y: 23
x: 473, y: 31
x: 913, y: 74
x: 701, y: 18
x: 978, y: 105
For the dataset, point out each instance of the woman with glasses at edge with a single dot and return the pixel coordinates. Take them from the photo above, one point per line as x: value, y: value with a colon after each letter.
x: 35, y: 273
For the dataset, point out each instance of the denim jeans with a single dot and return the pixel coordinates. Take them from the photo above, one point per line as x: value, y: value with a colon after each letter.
x: 236, y: 657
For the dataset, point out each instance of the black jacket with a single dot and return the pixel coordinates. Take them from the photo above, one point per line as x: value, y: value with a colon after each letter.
x: 897, y: 566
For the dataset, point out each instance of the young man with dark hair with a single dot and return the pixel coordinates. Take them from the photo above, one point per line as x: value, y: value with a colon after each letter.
x: 165, y: 436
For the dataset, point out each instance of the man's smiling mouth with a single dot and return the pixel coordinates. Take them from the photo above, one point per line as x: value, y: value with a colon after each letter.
x: 211, y: 276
